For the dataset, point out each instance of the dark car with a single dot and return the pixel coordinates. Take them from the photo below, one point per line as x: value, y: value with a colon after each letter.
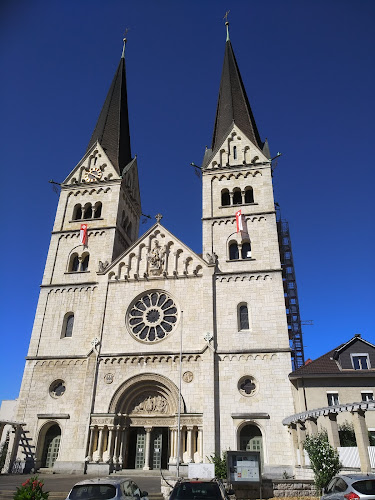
x: 106, y: 488
x: 191, y: 489
x: 350, y: 487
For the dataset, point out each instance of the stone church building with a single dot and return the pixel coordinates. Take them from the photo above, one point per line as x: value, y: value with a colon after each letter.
x: 104, y: 373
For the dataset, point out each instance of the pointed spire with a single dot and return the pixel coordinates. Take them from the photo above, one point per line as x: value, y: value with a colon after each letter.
x: 233, y: 105
x: 112, y: 127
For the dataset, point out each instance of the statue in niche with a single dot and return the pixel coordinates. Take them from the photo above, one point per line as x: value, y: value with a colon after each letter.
x: 103, y: 266
x: 155, y: 259
x: 151, y: 404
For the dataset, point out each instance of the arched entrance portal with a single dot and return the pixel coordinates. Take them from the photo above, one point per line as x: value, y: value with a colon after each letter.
x: 51, y: 446
x: 251, y: 439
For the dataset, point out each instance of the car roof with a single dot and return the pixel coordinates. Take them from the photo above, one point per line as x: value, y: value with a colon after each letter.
x: 357, y: 476
x: 107, y: 480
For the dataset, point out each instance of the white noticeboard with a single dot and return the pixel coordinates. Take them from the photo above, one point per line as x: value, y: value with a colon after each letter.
x: 203, y: 471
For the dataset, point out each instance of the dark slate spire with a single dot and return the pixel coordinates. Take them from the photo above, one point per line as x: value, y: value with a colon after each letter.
x: 112, y: 128
x: 233, y: 105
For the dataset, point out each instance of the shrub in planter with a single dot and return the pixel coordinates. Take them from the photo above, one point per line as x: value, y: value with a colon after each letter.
x: 32, y: 489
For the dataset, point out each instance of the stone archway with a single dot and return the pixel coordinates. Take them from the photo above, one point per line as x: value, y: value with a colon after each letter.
x: 49, y: 445
x: 250, y: 438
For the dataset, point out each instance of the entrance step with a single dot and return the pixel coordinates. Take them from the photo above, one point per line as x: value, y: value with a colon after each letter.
x: 138, y: 472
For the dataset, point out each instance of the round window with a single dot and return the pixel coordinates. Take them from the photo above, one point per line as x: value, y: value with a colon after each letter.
x: 247, y: 385
x: 57, y: 388
x: 152, y: 316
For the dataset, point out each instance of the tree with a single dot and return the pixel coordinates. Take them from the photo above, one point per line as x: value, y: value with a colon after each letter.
x: 220, y: 464
x: 324, y: 459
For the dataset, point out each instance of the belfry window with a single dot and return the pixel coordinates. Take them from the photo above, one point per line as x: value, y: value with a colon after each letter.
x: 85, y: 263
x: 77, y: 212
x: 237, y: 196
x: 246, y: 250
x: 249, y: 195
x: 68, y: 325
x: 243, y: 317
x: 97, y: 210
x: 233, y: 251
x: 74, y: 263
x: 225, y: 198
x: 234, y: 152
x: 87, y: 211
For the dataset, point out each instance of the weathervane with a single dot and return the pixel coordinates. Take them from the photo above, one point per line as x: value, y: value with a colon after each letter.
x: 124, y: 40
x: 227, y: 23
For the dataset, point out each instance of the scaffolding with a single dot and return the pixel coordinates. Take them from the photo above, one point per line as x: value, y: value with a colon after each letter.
x: 290, y: 293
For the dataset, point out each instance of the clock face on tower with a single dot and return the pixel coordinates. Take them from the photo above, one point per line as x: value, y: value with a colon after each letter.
x: 93, y: 175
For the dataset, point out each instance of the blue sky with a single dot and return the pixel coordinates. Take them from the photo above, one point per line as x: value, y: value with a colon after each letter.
x: 308, y: 68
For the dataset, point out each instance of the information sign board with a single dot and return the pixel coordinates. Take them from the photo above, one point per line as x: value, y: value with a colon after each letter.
x: 243, y: 467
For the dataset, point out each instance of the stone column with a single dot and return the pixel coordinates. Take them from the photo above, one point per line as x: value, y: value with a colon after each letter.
x: 147, y: 448
x: 111, y: 443
x: 189, y: 446
x: 200, y: 444
x: 124, y: 446
x: 312, y: 426
x: 14, y: 448
x: 301, y: 436
x: 100, y: 445
x: 91, y: 444
x: 172, y: 457
x: 361, y: 436
x: 293, y: 433
x: 332, y: 429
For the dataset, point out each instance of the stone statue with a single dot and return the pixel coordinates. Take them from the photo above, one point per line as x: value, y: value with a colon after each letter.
x: 155, y: 259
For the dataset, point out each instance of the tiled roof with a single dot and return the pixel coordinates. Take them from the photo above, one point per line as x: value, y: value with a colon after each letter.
x: 233, y: 105
x: 112, y: 128
x: 323, y: 365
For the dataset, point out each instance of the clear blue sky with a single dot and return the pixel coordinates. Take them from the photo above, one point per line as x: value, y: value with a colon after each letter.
x: 308, y: 67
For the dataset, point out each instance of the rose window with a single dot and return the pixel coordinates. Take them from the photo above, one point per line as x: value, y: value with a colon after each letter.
x: 247, y: 386
x: 152, y: 316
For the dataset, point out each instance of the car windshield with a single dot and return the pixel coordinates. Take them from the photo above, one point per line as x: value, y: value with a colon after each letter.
x: 186, y: 491
x: 366, y: 487
x: 92, y: 492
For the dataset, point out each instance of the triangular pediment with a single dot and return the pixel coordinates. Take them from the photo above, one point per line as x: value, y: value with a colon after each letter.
x: 94, y: 167
x: 236, y: 149
x: 158, y: 254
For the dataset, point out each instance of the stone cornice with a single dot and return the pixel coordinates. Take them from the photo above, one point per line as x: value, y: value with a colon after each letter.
x: 249, y: 415
x: 252, y: 351
x: 70, y: 285
x: 270, y: 212
x: 74, y: 231
x: 53, y: 415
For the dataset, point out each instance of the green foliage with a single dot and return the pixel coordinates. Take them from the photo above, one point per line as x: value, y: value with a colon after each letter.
x: 32, y: 489
x: 220, y: 464
x: 347, y: 435
x: 324, y: 459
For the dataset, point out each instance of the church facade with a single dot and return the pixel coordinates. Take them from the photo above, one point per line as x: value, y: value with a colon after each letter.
x: 144, y: 353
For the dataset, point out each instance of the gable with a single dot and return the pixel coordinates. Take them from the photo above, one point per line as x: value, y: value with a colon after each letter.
x: 356, y: 347
x: 158, y: 254
x: 95, y: 159
x: 245, y: 151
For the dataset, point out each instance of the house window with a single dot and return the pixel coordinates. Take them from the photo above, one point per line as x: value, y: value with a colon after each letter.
x: 367, y: 396
x: 360, y: 361
x: 225, y: 198
x: 233, y: 251
x: 243, y: 317
x: 333, y: 398
x: 68, y: 325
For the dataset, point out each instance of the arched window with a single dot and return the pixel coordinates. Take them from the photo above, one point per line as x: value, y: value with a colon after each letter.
x: 243, y: 317
x: 85, y: 262
x: 68, y: 325
x: 234, y: 152
x: 246, y: 250
x: 97, y: 210
x: 77, y: 212
x: 87, y: 213
x: 74, y: 263
x: 237, y: 196
x: 129, y: 230
x: 225, y: 198
x: 249, y: 195
x: 233, y: 251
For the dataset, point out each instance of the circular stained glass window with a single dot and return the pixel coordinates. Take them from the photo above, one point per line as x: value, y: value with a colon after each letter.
x: 152, y: 316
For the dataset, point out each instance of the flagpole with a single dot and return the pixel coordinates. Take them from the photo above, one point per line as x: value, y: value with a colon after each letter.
x: 179, y: 401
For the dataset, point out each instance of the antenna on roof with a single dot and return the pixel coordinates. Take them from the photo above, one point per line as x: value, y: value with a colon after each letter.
x: 54, y: 184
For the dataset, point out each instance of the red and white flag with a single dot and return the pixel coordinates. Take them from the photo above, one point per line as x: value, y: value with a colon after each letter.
x: 83, y: 234
x: 241, y: 222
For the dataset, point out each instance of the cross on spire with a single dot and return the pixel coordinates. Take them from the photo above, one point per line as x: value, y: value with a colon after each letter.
x: 158, y: 218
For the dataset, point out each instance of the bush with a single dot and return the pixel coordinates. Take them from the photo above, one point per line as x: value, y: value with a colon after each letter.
x: 32, y: 489
x: 324, y: 459
x: 220, y: 464
x: 347, y: 435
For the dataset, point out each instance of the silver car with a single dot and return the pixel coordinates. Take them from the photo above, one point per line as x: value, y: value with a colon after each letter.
x: 350, y: 487
x: 106, y: 488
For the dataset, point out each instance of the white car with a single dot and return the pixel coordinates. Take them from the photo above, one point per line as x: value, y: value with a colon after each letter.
x: 107, y: 488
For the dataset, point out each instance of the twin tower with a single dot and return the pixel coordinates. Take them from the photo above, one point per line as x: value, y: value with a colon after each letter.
x: 104, y: 386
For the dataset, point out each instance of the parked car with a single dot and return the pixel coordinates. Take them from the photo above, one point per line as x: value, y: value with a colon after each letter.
x: 106, y: 488
x: 190, y: 489
x: 350, y: 487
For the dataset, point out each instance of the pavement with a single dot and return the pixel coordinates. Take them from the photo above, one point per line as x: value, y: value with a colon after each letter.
x: 59, y: 485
